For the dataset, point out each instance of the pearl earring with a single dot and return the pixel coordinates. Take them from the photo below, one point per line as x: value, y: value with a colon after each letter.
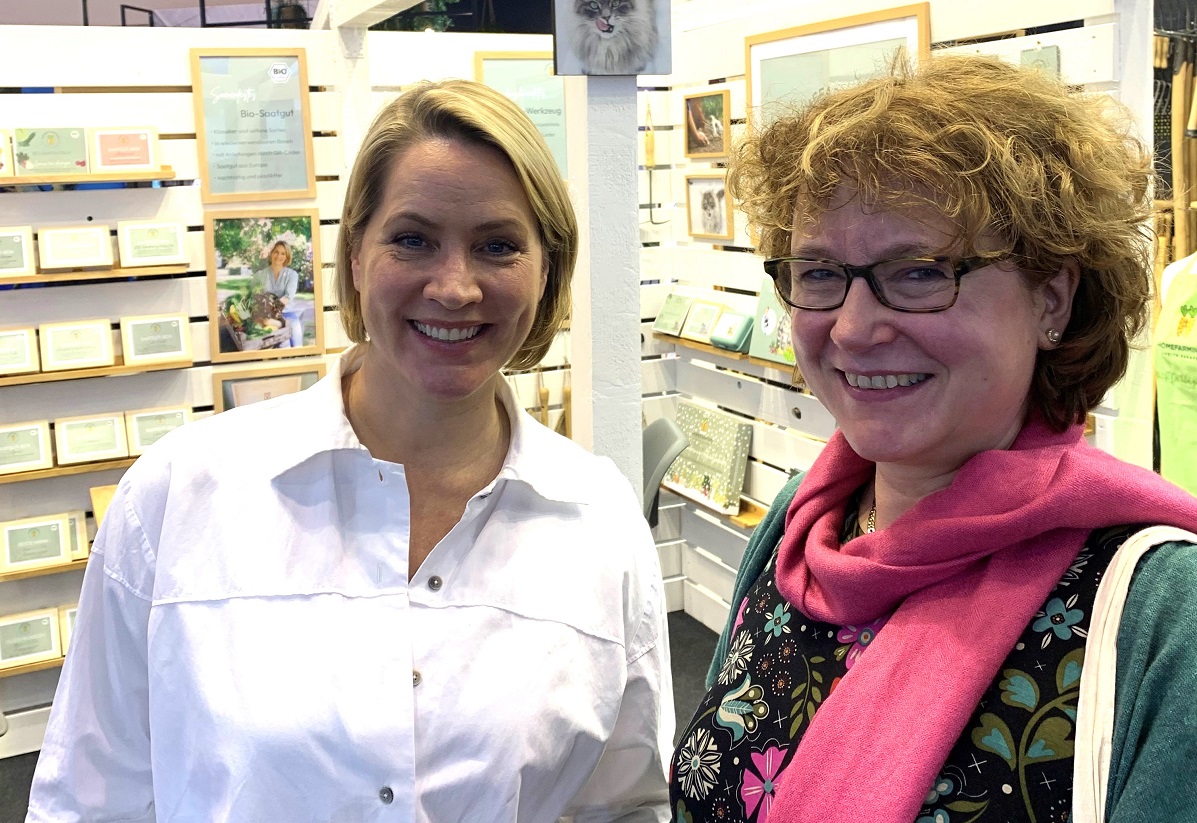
x: 1053, y: 336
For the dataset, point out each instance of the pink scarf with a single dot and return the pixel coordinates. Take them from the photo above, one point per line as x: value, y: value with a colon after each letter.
x: 963, y: 572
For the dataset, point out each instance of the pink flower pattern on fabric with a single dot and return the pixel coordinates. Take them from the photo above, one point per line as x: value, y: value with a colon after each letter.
x: 860, y: 637
x: 758, y: 787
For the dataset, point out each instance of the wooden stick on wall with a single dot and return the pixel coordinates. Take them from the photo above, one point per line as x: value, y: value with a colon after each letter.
x: 1181, y: 73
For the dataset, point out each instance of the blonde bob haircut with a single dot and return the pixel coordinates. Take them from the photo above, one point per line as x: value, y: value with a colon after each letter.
x: 472, y: 113
x: 994, y: 148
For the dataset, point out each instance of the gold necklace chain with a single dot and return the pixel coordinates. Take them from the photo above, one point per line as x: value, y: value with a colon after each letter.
x: 871, y: 525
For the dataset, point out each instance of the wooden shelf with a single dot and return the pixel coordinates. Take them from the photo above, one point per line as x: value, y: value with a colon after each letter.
x: 164, y: 173
x: 74, y: 565
x: 771, y: 364
x: 80, y: 374
x: 702, y: 347
x: 28, y: 668
x: 751, y: 514
x: 94, y: 274
x: 66, y: 471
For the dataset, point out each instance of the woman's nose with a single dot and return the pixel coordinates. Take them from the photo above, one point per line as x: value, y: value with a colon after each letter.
x: 452, y: 281
x: 862, y: 320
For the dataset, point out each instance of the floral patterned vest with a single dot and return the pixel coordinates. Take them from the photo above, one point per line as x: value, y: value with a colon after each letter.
x: 1012, y: 763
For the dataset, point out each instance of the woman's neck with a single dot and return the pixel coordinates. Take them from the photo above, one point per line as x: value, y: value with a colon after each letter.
x: 897, y: 489
x: 472, y: 434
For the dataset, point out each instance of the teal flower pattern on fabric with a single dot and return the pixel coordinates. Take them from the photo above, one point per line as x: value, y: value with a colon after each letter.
x: 776, y: 624
x: 741, y: 709
x: 1061, y: 618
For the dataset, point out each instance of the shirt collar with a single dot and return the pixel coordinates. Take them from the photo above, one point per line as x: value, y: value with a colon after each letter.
x: 536, y: 456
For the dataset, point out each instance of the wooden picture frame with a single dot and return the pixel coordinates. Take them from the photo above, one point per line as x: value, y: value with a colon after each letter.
x: 74, y: 247
x: 240, y: 245
x: 29, y: 637
x: 706, y: 120
x: 527, y: 78
x: 253, y: 124
x: 90, y: 438
x: 25, y: 446
x: 122, y: 149
x: 17, y: 258
x: 18, y: 351
x: 76, y: 344
x: 36, y: 542
x: 708, y: 207
x: 240, y: 387
x: 148, y: 243
x: 145, y: 427
x: 700, y: 320
x: 787, y: 68
x: 156, y: 338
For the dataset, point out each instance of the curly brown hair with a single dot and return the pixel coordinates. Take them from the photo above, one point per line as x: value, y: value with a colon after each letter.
x: 473, y: 113
x: 1055, y: 174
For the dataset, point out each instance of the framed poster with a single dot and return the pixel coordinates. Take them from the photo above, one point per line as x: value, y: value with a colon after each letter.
x: 18, y: 351
x: 78, y: 344
x: 123, y: 149
x: 156, y: 338
x: 240, y: 387
x: 788, y: 68
x: 700, y: 321
x: 253, y: 124
x: 35, y: 542
x: 672, y: 314
x: 66, y: 625
x: 708, y: 124
x: 50, y: 151
x: 89, y: 438
x: 30, y: 637
x: 6, y: 169
x: 16, y: 251
x: 151, y: 243
x: 265, y: 292
x: 25, y: 447
x: 527, y: 78
x: 711, y: 469
x: 101, y: 497
x: 146, y: 427
x: 612, y: 38
x: 708, y: 208
x: 74, y: 247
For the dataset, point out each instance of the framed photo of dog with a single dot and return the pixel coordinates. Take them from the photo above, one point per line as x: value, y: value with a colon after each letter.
x: 708, y: 124
x: 708, y: 208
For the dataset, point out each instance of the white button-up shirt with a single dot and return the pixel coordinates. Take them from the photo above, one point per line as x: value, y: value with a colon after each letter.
x: 249, y: 646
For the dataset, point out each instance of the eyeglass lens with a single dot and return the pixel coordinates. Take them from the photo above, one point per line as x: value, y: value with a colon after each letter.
x: 907, y: 284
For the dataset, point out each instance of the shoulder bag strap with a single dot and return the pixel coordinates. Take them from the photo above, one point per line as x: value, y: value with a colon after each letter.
x: 1095, y: 705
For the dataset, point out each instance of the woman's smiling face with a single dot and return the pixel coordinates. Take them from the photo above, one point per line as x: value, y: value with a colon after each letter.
x: 450, y: 269
x: 921, y: 390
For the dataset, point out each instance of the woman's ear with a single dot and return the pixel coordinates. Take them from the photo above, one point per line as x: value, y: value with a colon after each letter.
x: 1056, y: 303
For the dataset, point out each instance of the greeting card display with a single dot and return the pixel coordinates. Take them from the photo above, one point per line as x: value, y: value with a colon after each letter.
x: 771, y: 338
x: 672, y: 315
x: 50, y: 151
x: 711, y: 469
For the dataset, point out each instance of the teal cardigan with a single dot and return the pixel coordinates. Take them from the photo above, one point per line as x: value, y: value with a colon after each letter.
x: 1155, y: 708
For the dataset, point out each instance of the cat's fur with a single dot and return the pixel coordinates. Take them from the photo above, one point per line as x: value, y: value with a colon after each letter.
x: 712, y: 212
x: 614, y: 36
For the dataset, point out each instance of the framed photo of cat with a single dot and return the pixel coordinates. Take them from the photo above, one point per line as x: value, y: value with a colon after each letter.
x: 789, y: 67
x: 708, y: 124
x: 612, y: 37
x: 708, y: 208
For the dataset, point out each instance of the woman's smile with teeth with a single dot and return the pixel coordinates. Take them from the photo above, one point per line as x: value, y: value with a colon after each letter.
x: 884, y: 381
x: 450, y: 335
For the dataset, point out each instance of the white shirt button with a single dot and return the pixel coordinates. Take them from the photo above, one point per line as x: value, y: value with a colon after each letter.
x: 385, y: 794
x: 415, y: 677
x: 435, y: 583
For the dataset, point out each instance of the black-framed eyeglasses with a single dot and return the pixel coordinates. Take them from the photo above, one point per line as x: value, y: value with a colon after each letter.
x: 923, y: 284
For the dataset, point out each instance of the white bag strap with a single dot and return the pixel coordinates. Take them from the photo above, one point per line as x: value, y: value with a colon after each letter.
x: 1095, y: 705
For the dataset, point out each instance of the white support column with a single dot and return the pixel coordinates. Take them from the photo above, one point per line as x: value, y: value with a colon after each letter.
x: 353, y: 85
x: 605, y: 331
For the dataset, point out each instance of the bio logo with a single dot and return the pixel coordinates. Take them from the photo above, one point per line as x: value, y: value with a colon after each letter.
x: 280, y: 72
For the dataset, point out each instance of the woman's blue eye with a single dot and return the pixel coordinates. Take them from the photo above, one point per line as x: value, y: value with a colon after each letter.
x: 409, y: 241
x: 499, y: 247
